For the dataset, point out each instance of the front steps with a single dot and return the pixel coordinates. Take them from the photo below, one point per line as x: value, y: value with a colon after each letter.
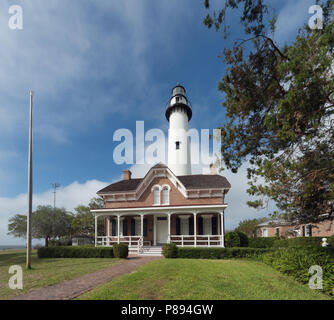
x: 147, y: 251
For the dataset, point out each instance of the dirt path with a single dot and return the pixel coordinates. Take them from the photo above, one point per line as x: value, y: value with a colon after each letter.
x: 71, y: 289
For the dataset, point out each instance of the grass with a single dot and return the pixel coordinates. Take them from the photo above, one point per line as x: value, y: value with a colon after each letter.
x: 45, y: 272
x: 203, y: 279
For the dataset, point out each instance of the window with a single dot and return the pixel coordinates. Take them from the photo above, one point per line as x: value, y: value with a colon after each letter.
x: 165, y: 195
x: 156, y: 195
x: 177, y: 145
x: 277, y: 232
x: 177, y: 99
x: 264, y: 233
x: 308, y: 230
x: 137, y: 227
x: 207, y: 225
x: 185, y: 226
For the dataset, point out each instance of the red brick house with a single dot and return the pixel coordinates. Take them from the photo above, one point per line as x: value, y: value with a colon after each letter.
x: 169, y: 204
x: 274, y: 228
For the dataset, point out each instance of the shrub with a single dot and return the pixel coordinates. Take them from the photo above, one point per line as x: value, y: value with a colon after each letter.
x: 243, y: 239
x: 75, y: 252
x: 298, y: 242
x: 296, y: 261
x: 170, y: 250
x: 220, y: 253
x: 232, y: 239
x: 261, y: 242
x: 121, y: 250
x: 330, y: 241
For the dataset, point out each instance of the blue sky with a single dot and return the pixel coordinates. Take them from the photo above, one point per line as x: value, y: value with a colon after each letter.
x: 95, y: 67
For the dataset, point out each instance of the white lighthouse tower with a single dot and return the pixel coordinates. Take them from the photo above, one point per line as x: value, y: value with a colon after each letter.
x: 179, y: 113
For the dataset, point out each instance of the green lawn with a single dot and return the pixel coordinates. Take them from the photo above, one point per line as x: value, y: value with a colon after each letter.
x: 45, y: 272
x: 203, y: 279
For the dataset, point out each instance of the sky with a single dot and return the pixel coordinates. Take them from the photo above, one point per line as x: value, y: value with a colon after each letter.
x: 99, y: 66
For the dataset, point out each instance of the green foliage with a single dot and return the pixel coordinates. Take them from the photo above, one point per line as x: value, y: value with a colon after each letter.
x: 121, y: 250
x: 170, y: 250
x: 249, y: 226
x: 243, y: 239
x: 297, y: 261
x: 298, y: 242
x: 330, y: 241
x: 232, y: 239
x: 279, y: 107
x: 220, y: 253
x: 17, y: 226
x: 267, y: 242
x: 75, y: 252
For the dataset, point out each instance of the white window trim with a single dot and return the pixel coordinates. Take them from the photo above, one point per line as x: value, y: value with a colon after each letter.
x: 264, y: 233
x: 154, y: 188
x: 164, y: 187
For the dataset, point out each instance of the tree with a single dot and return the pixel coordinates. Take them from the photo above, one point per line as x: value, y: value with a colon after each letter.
x: 46, y: 222
x: 17, y: 226
x: 83, y: 222
x: 248, y: 226
x: 279, y: 105
x: 44, y: 226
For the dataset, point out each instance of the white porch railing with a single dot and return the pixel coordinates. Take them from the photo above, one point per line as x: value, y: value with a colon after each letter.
x: 106, y: 241
x: 197, y: 241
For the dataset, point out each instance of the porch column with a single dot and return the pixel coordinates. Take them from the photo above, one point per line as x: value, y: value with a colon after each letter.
x: 195, y: 229
x: 222, y: 228
x: 118, y: 227
x: 95, y: 230
x: 108, y: 231
x: 142, y: 225
x: 168, y: 240
x: 154, y: 230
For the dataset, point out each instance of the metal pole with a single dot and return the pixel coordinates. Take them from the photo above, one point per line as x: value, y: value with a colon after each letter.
x: 30, y: 186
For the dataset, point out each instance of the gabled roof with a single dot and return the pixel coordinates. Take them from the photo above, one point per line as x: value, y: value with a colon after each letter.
x: 198, y: 181
x: 205, y: 181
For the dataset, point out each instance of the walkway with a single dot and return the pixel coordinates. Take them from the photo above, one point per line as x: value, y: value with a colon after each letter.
x: 71, y: 289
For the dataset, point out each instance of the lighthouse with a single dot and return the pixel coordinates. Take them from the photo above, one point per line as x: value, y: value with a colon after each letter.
x: 178, y: 114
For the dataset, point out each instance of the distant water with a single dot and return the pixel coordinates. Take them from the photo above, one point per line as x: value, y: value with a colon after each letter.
x: 11, y: 247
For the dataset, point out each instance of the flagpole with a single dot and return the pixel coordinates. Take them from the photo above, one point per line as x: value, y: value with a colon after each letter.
x: 30, y: 184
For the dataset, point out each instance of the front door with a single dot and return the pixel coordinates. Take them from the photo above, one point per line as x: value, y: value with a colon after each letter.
x: 162, y: 230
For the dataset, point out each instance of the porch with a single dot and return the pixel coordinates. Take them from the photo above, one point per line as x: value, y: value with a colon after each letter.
x: 145, y: 228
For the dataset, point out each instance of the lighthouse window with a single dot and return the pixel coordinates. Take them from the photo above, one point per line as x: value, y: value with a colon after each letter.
x: 177, y: 144
x: 177, y: 99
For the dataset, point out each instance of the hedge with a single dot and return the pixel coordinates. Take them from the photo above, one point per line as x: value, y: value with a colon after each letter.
x: 299, y: 242
x: 120, y: 250
x: 232, y: 239
x: 75, y: 252
x: 267, y: 242
x: 296, y: 261
x: 170, y: 250
x: 220, y: 253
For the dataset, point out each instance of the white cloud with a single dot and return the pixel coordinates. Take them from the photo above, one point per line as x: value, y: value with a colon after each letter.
x: 290, y: 18
x: 68, y: 197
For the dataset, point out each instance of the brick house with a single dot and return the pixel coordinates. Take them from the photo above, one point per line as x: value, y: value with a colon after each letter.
x: 324, y: 228
x: 168, y: 204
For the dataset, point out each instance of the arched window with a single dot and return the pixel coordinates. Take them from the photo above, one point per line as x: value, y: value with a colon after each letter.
x: 165, y: 195
x: 156, y: 195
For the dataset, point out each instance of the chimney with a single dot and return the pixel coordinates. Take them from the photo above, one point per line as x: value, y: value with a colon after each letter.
x: 127, y: 175
x: 213, y: 169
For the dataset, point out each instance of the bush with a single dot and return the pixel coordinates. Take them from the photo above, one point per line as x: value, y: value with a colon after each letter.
x: 261, y: 242
x: 296, y: 261
x: 121, y: 250
x: 243, y: 239
x: 170, y: 250
x: 220, y: 253
x: 75, y: 252
x: 330, y: 241
x: 232, y: 239
x: 299, y: 242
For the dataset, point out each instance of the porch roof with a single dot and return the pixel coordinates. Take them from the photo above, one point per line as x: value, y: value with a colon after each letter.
x: 160, y: 209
